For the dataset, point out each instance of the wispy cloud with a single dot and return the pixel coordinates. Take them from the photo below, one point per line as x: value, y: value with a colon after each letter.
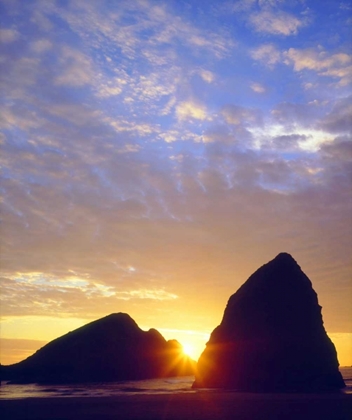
x: 337, y: 66
x: 276, y: 22
x: 146, y: 294
x: 267, y: 54
x: 325, y: 64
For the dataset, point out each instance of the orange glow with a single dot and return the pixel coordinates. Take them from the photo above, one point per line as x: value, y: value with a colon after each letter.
x: 193, y: 342
x: 343, y: 345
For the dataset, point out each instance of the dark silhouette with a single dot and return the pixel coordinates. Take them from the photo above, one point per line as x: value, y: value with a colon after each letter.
x: 271, y: 337
x: 113, y: 348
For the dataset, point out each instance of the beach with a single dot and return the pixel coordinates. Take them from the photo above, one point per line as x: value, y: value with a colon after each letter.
x: 195, y: 406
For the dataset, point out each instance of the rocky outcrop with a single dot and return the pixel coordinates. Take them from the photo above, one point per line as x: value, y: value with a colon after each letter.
x: 113, y: 348
x: 271, y: 337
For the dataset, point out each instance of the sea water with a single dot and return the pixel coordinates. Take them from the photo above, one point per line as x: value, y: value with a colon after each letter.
x: 104, y: 389
x: 151, y: 386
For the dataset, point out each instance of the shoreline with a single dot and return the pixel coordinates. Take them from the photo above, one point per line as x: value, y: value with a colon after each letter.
x: 217, y: 405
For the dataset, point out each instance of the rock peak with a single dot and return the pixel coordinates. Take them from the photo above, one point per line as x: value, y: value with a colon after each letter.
x: 282, y: 261
x: 284, y: 256
x: 118, y: 316
x: 119, y: 319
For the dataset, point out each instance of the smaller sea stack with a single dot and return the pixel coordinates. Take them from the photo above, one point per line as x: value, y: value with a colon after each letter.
x: 113, y: 348
x: 271, y: 337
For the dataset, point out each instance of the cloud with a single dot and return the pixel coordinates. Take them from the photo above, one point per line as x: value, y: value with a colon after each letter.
x: 75, y: 113
x: 221, y: 133
x: 257, y: 87
x: 291, y: 114
x: 20, y: 72
x: 52, y: 292
x: 109, y: 90
x: 112, y: 88
x: 155, y: 85
x: 315, y: 60
x: 338, y: 151
x: 287, y: 142
x: 339, y: 120
x: 276, y: 22
x: 281, y: 137
x: 75, y: 68
x: 23, y: 119
x: 207, y: 75
x: 163, y: 24
x: 8, y: 36
x: 130, y: 148
x: 236, y: 115
x: 325, y: 64
x: 146, y: 294
x: 268, y: 54
x: 337, y: 65
x: 140, y: 128
x: 41, y: 45
x: 244, y: 5
x: 191, y: 110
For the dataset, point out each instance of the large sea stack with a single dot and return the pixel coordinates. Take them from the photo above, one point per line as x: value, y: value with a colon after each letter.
x: 113, y: 348
x: 271, y: 337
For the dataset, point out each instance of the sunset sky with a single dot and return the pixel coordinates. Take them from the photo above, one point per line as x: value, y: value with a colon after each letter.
x: 156, y: 153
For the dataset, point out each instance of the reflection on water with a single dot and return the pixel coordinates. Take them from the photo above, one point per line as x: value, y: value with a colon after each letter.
x: 347, y: 376
x: 150, y: 386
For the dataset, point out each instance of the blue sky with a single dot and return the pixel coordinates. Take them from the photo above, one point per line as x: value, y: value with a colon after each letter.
x: 156, y: 153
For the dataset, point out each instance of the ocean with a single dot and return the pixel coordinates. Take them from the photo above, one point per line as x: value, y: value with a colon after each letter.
x: 151, y: 386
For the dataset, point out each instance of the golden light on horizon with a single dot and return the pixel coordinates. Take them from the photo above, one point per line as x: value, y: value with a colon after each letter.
x: 17, y: 341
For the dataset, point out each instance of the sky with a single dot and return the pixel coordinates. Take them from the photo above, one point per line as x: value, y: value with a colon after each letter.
x: 156, y: 153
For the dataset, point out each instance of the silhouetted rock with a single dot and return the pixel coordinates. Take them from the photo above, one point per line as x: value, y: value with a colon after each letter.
x: 113, y: 348
x: 271, y: 337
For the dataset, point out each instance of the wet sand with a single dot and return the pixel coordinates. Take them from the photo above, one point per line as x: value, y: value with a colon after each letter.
x: 200, y: 405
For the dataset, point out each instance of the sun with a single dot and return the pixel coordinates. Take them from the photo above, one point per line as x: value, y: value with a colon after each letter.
x: 188, y: 350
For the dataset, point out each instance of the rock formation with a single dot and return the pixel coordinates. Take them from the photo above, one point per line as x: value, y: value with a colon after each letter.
x: 271, y: 337
x: 113, y: 348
